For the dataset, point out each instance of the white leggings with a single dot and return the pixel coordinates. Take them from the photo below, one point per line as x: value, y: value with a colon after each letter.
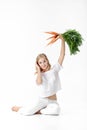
x: 42, y: 103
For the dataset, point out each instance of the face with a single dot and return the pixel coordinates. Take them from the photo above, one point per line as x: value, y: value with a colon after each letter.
x: 43, y: 63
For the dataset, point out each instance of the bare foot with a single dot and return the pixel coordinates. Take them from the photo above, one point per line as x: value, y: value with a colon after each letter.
x: 15, y: 108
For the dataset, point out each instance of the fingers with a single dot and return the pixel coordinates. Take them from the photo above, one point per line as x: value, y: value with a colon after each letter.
x: 37, y: 67
x: 61, y: 37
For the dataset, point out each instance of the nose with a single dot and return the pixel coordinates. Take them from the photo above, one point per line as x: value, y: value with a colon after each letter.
x: 43, y: 64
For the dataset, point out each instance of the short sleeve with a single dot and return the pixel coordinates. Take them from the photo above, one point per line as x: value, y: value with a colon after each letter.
x: 57, y: 67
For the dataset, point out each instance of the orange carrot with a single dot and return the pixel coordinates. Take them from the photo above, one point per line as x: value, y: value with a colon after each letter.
x: 53, y: 38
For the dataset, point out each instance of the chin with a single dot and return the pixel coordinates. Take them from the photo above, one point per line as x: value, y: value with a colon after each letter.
x: 44, y: 70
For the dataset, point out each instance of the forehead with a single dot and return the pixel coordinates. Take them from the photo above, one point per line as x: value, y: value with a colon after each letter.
x: 41, y: 59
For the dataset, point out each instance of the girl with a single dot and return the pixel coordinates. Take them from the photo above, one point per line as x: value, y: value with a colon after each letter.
x: 48, y: 80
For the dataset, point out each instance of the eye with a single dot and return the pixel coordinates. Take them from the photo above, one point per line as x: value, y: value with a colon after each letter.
x: 40, y: 62
x: 44, y: 61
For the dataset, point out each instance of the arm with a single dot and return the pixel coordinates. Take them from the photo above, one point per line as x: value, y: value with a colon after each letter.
x: 62, y: 51
x: 39, y: 77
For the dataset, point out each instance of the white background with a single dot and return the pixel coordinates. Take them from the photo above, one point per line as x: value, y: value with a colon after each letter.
x: 22, y: 38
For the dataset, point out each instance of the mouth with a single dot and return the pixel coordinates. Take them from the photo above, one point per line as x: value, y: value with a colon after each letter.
x: 44, y: 67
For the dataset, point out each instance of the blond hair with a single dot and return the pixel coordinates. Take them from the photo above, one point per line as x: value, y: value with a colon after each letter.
x: 42, y: 55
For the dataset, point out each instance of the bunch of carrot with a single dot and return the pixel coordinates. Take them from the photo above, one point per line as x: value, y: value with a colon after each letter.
x: 72, y: 37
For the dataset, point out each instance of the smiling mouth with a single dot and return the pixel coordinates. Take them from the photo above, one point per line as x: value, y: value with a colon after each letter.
x: 44, y: 67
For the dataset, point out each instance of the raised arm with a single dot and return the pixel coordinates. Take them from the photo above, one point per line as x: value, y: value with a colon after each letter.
x: 62, y: 50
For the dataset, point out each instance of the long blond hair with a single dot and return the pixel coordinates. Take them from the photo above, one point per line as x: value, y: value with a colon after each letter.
x: 42, y: 55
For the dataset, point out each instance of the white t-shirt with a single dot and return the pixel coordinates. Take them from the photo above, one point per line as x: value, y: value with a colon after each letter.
x: 50, y: 81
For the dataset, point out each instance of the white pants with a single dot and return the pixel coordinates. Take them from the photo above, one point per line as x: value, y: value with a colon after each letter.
x: 40, y: 105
